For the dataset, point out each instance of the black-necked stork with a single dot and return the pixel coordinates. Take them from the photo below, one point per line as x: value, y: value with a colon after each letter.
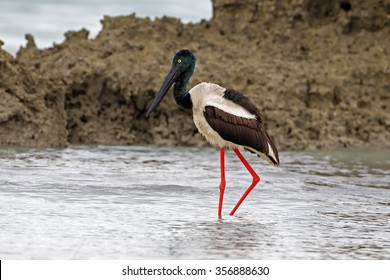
x: 226, y: 118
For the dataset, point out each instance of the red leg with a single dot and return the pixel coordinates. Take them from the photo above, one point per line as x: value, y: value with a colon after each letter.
x: 223, y: 182
x: 255, y: 180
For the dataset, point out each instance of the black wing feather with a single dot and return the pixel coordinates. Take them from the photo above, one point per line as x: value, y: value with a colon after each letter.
x: 243, y: 101
x: 241, y: 131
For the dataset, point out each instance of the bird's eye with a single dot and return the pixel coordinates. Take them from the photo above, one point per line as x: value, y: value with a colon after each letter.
x: 179, y: 60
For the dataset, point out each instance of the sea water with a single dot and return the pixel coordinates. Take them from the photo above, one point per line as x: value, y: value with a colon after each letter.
x: 107, y: 202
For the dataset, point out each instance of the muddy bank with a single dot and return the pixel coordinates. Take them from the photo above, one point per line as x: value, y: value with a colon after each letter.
x: 319, y: 71
x: 31, y: 107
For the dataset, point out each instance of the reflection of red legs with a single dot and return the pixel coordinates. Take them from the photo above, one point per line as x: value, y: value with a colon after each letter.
x: 223, y: 182
x: 256, y: 179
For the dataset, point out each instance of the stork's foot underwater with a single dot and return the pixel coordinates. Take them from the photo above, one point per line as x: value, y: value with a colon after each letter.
x: 223, y: 182
x: 255, y: 181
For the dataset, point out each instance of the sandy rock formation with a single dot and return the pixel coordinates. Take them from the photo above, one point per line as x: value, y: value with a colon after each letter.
x: 319, y: 71
x: 31, y: 107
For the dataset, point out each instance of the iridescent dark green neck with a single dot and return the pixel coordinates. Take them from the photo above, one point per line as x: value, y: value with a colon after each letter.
x: 180, y: 93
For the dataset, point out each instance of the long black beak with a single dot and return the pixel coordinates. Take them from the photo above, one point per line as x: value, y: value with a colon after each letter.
x: 172, y: 76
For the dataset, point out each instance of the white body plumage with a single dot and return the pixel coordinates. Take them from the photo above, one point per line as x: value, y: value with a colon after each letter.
x: 209, y: 94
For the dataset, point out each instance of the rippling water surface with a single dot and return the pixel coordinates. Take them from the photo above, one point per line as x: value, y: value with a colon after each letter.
x: 147, y: 202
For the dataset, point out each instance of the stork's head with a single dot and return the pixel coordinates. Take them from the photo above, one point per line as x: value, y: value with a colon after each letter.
x: 184, y: 60
x: 183, y: 66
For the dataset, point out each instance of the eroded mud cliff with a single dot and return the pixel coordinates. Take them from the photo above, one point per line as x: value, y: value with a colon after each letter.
x: 319, y: 71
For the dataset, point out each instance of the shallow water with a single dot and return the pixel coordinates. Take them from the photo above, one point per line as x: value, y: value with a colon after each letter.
x: 106, y: 202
